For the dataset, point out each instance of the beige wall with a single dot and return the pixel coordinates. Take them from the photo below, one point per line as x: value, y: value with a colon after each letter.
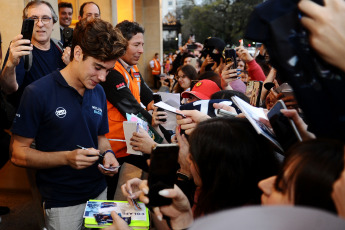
x: 147, y: 13
x: 10, y: 21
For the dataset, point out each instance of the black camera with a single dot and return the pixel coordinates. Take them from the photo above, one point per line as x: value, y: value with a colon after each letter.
x: 67, y: 37
x: 192, y: 47
x: 214, y: 48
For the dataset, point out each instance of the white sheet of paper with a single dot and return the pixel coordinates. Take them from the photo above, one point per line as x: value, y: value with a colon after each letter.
x: 129, y: 128
x: 253, y: 114
x: 172, y: 99
x: 167, y: 107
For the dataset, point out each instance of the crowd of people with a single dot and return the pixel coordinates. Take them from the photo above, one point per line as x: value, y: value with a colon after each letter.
x: 73, y: 99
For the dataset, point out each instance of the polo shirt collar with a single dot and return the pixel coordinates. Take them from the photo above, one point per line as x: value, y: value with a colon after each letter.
x: 125, y: 65
x: 60, y: 79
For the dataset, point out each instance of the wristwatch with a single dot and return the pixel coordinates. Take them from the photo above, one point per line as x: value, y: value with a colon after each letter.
x: 108, y: 151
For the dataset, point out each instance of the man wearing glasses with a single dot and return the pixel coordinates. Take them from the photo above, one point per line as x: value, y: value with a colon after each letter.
x: 46, y: 54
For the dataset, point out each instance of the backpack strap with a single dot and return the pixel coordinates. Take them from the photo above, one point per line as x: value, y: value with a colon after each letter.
x: 58, y: 44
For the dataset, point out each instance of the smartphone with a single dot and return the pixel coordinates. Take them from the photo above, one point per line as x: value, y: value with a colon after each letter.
x: 158, y: 98
x: 230, y: 57
x: 253, y: 91
x: 27, y: 28
x: 285, y: 89
x: 192, y: 47
x: 283, y: 127
x: 162, y: 173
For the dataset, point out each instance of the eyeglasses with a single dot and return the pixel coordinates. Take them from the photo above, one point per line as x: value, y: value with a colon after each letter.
x: 183, y: 76
x: 44, y: 19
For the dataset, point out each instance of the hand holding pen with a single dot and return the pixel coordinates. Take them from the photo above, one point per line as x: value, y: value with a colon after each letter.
x: 82, y: 158
x: 105, y: 170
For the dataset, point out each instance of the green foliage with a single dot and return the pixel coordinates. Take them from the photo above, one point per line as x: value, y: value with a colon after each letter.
x: 226, y: 19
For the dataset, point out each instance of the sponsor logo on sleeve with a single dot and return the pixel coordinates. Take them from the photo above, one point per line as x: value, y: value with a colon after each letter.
x: 120, y: 86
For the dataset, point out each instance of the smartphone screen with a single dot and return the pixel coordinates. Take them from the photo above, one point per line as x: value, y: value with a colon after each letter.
x: 27, y: 28
x: 162, y: 173
x: 230, y: 57
x: 283, y: 127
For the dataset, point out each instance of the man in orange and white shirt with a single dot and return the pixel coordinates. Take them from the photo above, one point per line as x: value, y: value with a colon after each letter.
x: 156, y: 70
x: 126, y: 92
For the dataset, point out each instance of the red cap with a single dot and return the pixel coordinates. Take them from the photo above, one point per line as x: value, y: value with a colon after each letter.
x: 203, y: 90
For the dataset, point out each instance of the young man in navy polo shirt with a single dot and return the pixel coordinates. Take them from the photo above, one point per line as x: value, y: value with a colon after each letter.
x: 62, y: 111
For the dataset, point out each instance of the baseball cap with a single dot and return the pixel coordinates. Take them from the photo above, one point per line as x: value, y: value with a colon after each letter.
x: 203, y: 90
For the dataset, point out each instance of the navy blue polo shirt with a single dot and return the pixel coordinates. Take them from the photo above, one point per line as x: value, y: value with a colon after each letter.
x: 59, y: 118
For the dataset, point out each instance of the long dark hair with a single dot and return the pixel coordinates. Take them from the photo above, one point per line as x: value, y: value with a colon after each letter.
x: 231, y: 159
x: 187, y: 70
x: 309, y: 171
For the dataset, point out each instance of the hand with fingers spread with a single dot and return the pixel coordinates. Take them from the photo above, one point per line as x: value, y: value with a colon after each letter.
x: 157, y: 116
x: 141, y: 141
x: 326, y: 25
x: 193, y: 118
x: 82, y: 158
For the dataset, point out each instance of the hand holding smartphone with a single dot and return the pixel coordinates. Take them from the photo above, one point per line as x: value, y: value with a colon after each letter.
x: 283, y: 127
x: 27, y: 28
x: 158, y: 98
x: 230, y: 57
x: 162, y: 173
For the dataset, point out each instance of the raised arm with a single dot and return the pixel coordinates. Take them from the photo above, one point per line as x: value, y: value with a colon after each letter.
x: 17, y: 49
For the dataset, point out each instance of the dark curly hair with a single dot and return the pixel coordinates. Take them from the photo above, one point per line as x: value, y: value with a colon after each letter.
x: 98, y: 39
x: 129, y: 29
